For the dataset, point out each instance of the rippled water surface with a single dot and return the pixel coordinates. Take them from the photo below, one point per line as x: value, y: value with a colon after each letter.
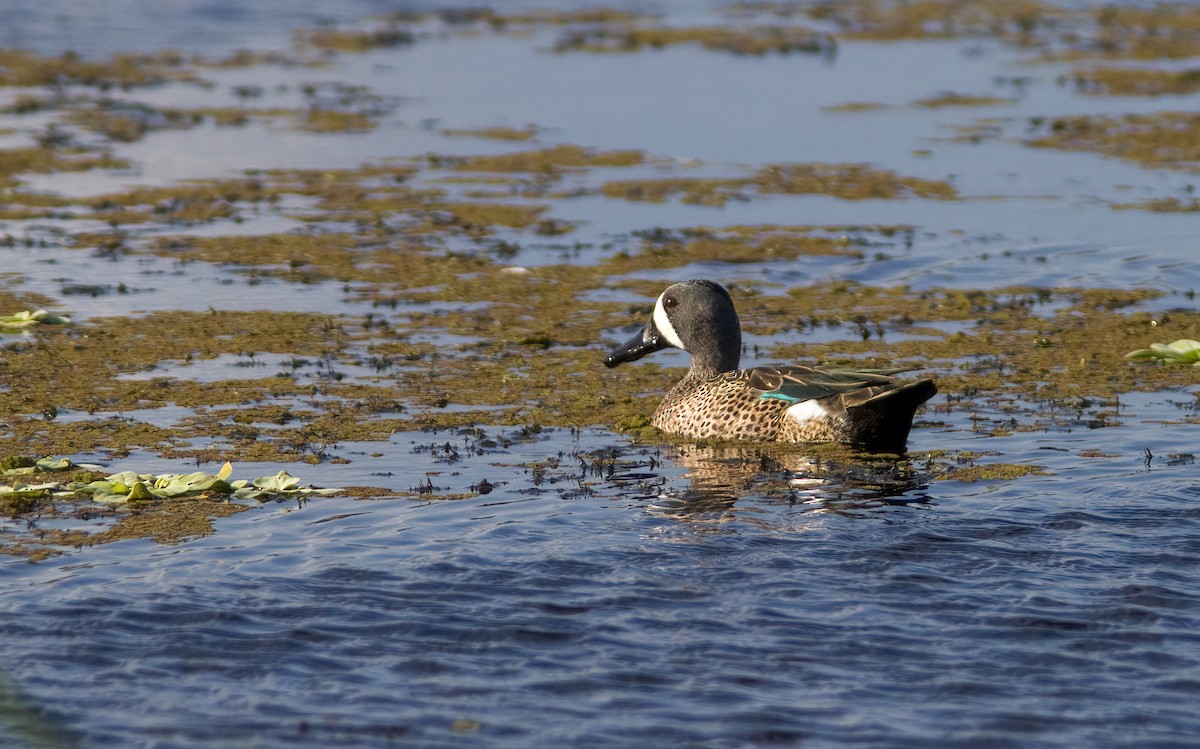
x: 609, y: 608
x: 598, y: 591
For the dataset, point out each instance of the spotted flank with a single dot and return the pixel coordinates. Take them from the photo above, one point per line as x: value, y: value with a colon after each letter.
x: 867, y: 408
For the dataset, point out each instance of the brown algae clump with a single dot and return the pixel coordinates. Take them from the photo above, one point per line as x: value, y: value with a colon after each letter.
x: 21, y: 68
x: 1136, y: 81
x: 846, y: 181
x: 856, y: 106
x: 1163, y: 205
x: 187, y: 203
x: 1159, y: 140
x: 495, y: 133
x: 737, y: 244
x: 849, y: 182
x: 1021, y: 21
x: 992, y: 472
x: 312, y: 257
x: 1167, y: 30
x: 320, y: 120
x: 951, y: 99
x: 127, y: 122
x: 44, y: 159
x: 337, y: 40
x: 547, y: 160
x: 756, y: 40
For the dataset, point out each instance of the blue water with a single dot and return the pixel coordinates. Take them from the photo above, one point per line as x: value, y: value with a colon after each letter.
x: 641, y: 610
x: 607, y: 594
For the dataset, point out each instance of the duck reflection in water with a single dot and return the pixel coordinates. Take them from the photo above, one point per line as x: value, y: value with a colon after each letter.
x: 838, y: 481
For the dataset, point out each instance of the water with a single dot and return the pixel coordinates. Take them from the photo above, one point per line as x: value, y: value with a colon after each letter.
x: 579, y: 610
x: 604, y: 593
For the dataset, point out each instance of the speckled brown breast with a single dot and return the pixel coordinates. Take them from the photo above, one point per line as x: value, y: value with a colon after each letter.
x: 724, y: 407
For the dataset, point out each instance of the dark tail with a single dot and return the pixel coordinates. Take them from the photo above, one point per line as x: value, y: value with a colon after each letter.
x: 881, y: 421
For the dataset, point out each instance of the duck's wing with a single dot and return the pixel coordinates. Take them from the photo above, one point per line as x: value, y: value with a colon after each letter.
x: 800, y: 383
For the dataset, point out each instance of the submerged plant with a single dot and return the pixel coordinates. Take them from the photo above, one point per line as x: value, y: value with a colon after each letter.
x: 1183, y: 351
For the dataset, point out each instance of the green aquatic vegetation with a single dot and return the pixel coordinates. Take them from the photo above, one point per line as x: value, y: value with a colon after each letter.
x: 753, y: 40
x: 78, y: 367
x: 731, y: 245
x: 1021, y: 21
x: 1183, y: 351
x: 1053, y: 359
x: 338, y: 40
x: 1165, y: 30
x: 952, y: 99
x: 20, y: 205
x: 856, y: 106
x: 320, y: 120
x: 546, y: 160
x: 45, y: 159
x: 845, y: 181
x: 485, y: 215
x: 19, y: 465
x: 849, y: 182
x: 187, y: 203
x: 495, y: 133
x: 544, y: 16
x: 23, y: 321
x: 23, y: 68
x: 1159, y: 140
x: 130, y: 486
x: 698, y: 191
x: 313, y: 257
x: 1163, y: 205
x: 1136, y: 81
x: 515, y: 367
x: 126, y: 122
x: 992, y: 472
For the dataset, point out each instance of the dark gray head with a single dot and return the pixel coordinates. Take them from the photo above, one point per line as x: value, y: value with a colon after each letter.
x: 696, y: 316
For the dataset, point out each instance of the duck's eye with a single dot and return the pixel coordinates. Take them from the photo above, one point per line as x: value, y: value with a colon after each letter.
x: 670, y: 301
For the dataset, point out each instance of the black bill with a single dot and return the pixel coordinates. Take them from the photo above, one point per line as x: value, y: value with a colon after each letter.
x: 646, y: 342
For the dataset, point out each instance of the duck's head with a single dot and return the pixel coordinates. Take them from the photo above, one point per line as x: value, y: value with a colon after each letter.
x: 696, y: 316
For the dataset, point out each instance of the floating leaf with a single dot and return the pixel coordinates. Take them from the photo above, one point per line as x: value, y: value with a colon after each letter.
x: 43, y: 465
x: 51, y: 465
x: 140, y: 492
x: 1183, y: 351
x: 280, y: 482
x: 129, y: 485
x: 26, y: 491
x: 26, y: 319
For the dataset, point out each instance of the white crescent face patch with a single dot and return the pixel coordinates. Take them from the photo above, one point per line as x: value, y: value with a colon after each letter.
x: 663, y: 323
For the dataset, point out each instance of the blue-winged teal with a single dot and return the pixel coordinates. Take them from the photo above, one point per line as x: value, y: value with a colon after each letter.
x: 869, y: 408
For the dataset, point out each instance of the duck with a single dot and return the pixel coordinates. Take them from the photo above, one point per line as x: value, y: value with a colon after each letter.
x: 869, y: 409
